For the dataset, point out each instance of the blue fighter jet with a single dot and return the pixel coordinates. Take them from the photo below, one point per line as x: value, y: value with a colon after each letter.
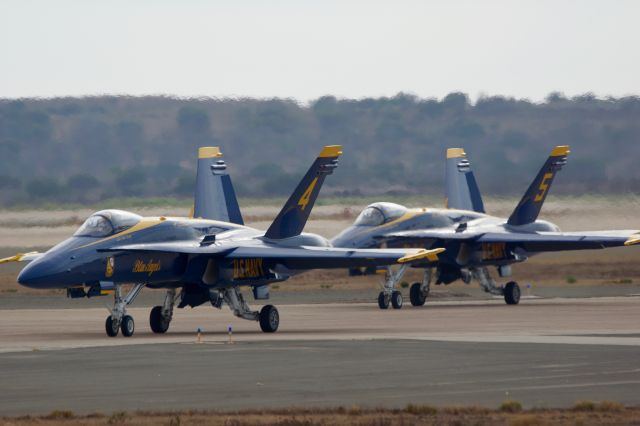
x: 474, y: 240
x: 204, y: 258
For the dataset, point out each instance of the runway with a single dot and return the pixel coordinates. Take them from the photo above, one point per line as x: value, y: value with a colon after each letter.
x: 543, y: 352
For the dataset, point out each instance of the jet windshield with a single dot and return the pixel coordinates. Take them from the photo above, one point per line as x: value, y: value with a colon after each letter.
x: 107, y: 222
x: 379, y: 213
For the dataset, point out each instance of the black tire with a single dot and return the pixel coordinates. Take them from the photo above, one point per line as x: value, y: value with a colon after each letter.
x: 416, y: 296
x: 269, y: 319
x: 355, y: 272
x: 111, y: 327
x: 512, y: 293
x: 158, y: 323
x: 383, y: 301
x: 396, y: 300
x: 128, y: 326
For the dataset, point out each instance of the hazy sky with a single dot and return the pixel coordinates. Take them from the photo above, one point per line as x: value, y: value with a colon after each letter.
x: 306, y: 49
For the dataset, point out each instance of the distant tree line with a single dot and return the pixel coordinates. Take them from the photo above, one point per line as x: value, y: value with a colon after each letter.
x: 92, y: 148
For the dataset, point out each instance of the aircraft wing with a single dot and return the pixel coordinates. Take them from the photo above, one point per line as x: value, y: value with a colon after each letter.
x: 22, y: 257
x: 533, y: 242
x: 558, y: 241
x: 304, y: 257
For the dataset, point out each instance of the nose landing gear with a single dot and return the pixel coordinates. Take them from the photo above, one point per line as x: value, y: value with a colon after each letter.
x: 119, y: 320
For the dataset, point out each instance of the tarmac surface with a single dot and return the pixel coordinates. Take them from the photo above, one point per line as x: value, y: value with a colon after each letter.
x: 543, y: 353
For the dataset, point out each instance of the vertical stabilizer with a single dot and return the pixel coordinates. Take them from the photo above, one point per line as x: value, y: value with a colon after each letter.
x: 293, y: 216
x: 529, y: 207
x: 461, y: 188
x: 215, y: 197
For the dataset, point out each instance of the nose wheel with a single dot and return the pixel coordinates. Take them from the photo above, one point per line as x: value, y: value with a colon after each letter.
x: 119, y: 320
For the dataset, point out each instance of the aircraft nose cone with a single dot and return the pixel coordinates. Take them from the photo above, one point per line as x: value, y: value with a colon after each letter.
x: 35, y: 273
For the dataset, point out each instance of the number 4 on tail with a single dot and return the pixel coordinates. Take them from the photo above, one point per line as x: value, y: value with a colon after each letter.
x: 304, y: 200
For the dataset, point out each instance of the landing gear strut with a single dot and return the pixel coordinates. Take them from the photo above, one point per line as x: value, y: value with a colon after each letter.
x: 268, y: 316
x: 419, y: 292
x: 389, y: 292
x: 160, y: 316
x: 119, y: 318
x: 511, y: 291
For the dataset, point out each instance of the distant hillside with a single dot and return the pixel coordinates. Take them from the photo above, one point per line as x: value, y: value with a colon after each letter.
x: 88, y: 149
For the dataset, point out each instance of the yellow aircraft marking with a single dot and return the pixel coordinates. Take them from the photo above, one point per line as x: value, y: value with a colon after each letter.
x: 304, y: 200
x: 431, y: 255
x: 544, y: 187
x: 108, y: 273
x: 146, y: 268
x: 493, y: 251
x: 455, y: 153
x: 331, y: 151
x: 143, y: 224
x: 247, y: 268
x: 18, y: 257
x: 209, y: 152
x: 560, y: 151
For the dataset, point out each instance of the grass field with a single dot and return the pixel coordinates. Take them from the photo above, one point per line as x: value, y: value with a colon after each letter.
x: 509, y: 413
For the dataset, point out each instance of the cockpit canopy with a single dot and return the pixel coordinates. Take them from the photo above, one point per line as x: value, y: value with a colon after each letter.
x: 107, y: 222
x: 379, y: 213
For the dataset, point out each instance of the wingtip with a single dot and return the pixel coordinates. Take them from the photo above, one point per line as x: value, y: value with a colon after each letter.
x: 456, y: 153
x: 560, y: 151
x: 431, y: 255
x: 331, y: 151
x: 632, y: 240
x: 209, y: 152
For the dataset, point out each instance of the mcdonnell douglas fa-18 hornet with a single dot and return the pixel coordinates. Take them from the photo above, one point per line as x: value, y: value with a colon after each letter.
x: 208, y: 256
x: 473, y: 240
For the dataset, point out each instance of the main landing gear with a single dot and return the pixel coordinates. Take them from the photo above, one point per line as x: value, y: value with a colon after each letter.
x: 160, y: 316
x: 119, y: 320
x: 268, y: 316
x: 511, y: 291
x: 419, y: 292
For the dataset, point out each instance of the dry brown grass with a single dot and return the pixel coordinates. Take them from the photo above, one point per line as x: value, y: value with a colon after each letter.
x: 411, y: 415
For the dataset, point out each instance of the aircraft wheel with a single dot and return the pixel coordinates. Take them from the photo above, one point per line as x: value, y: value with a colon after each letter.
x: 127, y: 326
x: 396, y: 300
x: 158, y: 323
x: 512, y: 293
x: 269, y: 319
x: 416, y: 296
x: 354, y: 272
x: 383, y: 301
x: 111, y: 327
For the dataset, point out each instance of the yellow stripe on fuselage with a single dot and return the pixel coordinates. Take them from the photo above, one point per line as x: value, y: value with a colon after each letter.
x: 143, y: 224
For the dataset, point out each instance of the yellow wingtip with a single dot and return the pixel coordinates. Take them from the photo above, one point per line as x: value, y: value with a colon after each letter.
x: 15, y: 258
x: 560, y: 151
x: 331, y: 151
x: 18, y: 257
x: 456, y: 153
x: 632, y: 240
x: 431, y: 255
x: 209, y: 152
